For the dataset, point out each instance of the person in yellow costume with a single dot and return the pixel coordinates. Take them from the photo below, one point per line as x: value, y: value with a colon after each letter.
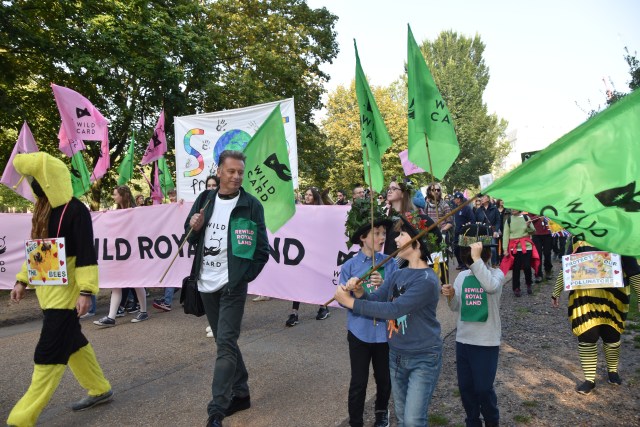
x: 58, y: 214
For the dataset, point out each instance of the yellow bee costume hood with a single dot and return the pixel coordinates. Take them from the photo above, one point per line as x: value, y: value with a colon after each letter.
x: 61, y: 340
x: 51, y: 174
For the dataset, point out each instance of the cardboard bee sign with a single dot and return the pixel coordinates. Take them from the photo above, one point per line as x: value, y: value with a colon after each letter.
x: 589, y: 270
x: 46, y: 262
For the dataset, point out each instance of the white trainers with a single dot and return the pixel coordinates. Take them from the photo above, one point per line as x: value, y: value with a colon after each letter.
x: 208, y: 329
x: 261, y: 298
x: 209, y: 334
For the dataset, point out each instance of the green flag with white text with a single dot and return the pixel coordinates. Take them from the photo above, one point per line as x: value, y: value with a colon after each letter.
x: 80, y: 175
x: 166, y: 182
x: 374, y: 136
x: 587, y: 181
x: 267, y: 173
x: 125, y: 170
x: 428, y: 115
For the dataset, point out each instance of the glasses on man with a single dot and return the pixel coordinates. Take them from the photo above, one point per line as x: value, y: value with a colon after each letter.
x: 438, y: 190
x: 395, y: 188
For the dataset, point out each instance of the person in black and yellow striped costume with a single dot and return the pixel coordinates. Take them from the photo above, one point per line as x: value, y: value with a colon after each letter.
x: 58, y: 214
x: 599, y: 313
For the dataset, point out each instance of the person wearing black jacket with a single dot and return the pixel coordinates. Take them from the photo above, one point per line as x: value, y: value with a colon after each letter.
x: 489, y: 215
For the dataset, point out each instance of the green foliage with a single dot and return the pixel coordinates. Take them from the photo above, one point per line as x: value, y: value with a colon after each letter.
x: 438, y: 420
x: 614, y: 95
x: 458, y: 68
x: 522, y: 419
x: 133, y: 58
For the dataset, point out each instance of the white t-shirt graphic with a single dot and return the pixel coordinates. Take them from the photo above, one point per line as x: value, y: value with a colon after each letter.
x: 214, y: 271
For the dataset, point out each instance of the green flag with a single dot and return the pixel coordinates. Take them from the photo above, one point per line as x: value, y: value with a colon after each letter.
x: 166, y: 183
x: 125, y: 170
x: 374, y: 136
x: 80, y: 176
x: 587, y: 180
x: 267, y: 173
x: 428, y: 115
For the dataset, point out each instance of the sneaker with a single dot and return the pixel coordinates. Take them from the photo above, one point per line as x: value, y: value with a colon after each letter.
x: 162, y: 306
x: 586, y: 387
x: 529, y: 290
x: 210, y: 334
x: 292, y: 321
x: 141, y: 317
x: 516, y: 292
x: 133, y: 309
x: 91, y: 401
x: 323, y: 313
x: 207, y: 329
x: 382, y: 419
x: 548, y: 275
x: 158, y: 300
x: 538, y: 279
x: 88, y: 314
x: 105, y: 321
x: 614, y: 378
x: 261, y: 298
x: 215, y: 421
x: 121, y: 312
x: 238, y: 404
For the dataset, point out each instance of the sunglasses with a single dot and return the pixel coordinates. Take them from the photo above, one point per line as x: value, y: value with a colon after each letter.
x: 436, y: 189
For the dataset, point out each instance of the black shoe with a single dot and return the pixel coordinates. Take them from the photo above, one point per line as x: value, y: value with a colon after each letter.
x: 548, y: 275
x: 382, y: 419
x: 586, y: 387
x: 91, y: 401
x: 516, y: 292
x: 529, y: 290
x: 323, y: 313
x: 538, y: 279
x: 215, y: 420
x: 614, y: 378
x: 292, y: 320
x: 238, y: 404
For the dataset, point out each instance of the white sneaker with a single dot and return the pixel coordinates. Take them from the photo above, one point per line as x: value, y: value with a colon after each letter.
x: 88, y: 314
x: 208, y: 329
x: 209, y: 334
x: 261, y: 298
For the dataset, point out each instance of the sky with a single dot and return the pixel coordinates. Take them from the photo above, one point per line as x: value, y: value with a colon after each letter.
x: 546, y: 59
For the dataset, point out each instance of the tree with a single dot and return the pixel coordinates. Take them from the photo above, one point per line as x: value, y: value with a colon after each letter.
x: 131, y: 59
x: 458, y: 68
x: 342, y: 129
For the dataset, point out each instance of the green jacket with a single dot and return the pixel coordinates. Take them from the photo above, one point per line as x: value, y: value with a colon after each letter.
x: 241, y: 270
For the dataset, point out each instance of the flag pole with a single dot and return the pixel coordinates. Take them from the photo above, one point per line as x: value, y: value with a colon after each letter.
x: 406, y: 245
x: 433, y: 180
x: 181, y: 245
x: 371, y: 233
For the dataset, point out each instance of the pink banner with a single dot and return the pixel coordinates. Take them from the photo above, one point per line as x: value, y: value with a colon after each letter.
x: 10, y: 177
x: 157, y: 144
x: 135, y: 246
x: 408, y: 167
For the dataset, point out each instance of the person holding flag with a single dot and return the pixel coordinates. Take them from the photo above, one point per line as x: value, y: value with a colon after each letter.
x: 227, y: 227
x: 367, y: 337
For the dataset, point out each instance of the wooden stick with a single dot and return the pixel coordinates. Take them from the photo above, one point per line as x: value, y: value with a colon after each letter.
x: 418, y: 236
x: 181, y: 245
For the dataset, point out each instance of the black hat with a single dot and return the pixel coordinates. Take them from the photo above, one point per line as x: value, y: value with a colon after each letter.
x: 478, y: 232
x: 458, y: 195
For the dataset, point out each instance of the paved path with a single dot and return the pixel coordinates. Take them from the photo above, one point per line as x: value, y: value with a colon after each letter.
x: 161, y: 369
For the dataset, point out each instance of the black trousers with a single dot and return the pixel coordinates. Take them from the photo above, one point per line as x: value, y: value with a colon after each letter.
x: 361, y: 354
x: 521, y: 261
x: 543, y: 243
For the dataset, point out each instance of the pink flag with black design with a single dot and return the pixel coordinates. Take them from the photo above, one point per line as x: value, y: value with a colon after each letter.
x: 157, y: 144
x: 81, y: 121
x: 10, y: 177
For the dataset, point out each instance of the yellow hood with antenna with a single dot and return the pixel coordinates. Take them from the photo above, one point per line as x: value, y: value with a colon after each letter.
x: 51, y: 173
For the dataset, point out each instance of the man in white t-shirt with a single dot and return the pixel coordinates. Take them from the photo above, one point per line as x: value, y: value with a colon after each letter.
x: 231, y: 249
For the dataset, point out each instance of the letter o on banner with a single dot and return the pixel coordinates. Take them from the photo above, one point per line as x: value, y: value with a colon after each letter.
x: 156, y: 247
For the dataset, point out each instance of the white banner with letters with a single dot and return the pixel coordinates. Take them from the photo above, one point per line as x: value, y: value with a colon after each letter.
x: 202, y: 137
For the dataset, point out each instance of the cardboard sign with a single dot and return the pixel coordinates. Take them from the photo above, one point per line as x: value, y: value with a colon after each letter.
x: 591, y: 270
x: 46, y: 262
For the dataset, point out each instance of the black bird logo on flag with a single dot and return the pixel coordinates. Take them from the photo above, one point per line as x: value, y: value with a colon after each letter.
x: 156, y: 140
x: 621, y: 197
x: 82, y: 112
x: 281, y: 170
x: 342, y: 257
x: 75, y: 172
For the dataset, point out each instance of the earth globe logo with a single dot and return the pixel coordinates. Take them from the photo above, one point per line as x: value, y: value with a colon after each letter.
x: 235, y: 139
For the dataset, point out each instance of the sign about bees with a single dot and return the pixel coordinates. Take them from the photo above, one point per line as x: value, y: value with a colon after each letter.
x: 589, y: 270
x: 46, y: 262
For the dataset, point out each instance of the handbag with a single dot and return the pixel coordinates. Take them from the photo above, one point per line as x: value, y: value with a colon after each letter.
x: 190, y: 296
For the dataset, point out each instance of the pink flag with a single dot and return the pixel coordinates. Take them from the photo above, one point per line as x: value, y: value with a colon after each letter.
x: 409, y: 168
x: 157, y: 144
x: 10, y: 177
x: 81, y: 121
x: 156, y: 191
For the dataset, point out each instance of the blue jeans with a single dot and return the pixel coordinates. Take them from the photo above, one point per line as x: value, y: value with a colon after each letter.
x: 224, y: 310
x: 93, y: 305
x: 168, y: 295
x: 413, y: 380
x: 477, y: 366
